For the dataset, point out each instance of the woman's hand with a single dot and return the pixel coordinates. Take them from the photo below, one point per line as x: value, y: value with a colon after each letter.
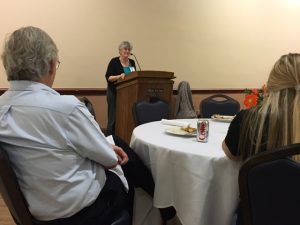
x: 122, y: 76
x: 116, y: 77
x: 122, y: 156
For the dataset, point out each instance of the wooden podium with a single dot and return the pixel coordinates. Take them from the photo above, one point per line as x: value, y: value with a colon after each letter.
x: 137, y: 86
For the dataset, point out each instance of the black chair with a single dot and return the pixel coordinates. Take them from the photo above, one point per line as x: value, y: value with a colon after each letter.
x: 212, y: 105
x: 88, y: 105
x: 270, y: 188
x: 145, y: 112
x: 16, y: 203
x: 11, y: 192
x: 122, y: 219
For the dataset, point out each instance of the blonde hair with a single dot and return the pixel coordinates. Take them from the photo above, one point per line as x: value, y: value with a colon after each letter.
x: 277, y: 122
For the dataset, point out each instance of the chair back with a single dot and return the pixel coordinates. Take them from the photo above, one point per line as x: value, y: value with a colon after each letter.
x: 88, y: 105
x: 269, y: 188
x: 145, y: 112
x: 122, y: 219
x: 226, y: 106
x: 11, y: 192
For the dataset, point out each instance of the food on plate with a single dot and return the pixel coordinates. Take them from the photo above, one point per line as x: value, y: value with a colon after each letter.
x: 222, y: 116
x: 189, y: 129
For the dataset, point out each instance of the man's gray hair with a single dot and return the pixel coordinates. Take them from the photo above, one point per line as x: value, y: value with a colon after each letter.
x: 125, y: 44
x: 27, y: 53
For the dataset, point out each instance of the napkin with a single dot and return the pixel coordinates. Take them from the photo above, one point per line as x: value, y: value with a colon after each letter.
x: 175, y: 123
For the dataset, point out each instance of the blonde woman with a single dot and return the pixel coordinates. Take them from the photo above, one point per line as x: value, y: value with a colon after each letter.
x: 276, y: 123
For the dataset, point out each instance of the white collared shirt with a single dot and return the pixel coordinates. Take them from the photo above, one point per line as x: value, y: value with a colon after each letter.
x: 56, y: 147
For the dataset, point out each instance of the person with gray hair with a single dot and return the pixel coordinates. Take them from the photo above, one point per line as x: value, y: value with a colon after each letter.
x: 29, y: 58
x: 67, y: 170
x: 117, y: 68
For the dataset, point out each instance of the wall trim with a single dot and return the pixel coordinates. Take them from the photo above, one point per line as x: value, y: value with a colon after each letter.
x: 75, y: 91
x: 216, y: 91
x: 102, y: 91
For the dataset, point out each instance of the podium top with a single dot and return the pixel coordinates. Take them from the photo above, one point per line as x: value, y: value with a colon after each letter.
x: 147, y: 74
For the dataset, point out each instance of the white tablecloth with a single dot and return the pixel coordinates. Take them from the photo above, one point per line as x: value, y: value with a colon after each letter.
x: 196, y: 178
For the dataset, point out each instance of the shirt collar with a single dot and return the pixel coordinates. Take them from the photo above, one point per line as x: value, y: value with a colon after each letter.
x: 25, y: 85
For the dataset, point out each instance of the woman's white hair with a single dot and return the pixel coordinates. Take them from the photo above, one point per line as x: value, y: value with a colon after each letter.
x: 27, y: 53
x: 125, y: 44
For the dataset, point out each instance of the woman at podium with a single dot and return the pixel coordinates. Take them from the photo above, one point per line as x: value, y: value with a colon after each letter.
x: 117, y: 69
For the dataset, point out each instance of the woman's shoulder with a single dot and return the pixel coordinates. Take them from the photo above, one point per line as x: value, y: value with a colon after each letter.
x: 115, y: 59
x: 115, y: 62
x: 249, y: 112
x: 241, y: 114
x: 239, y: 117
x: 243, y: 111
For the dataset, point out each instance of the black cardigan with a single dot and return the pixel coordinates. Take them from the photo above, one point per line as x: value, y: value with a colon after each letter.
x: 115, y: 68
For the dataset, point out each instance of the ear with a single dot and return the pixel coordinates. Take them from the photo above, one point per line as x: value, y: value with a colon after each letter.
x: 49, y: 80
x: 52, y: 67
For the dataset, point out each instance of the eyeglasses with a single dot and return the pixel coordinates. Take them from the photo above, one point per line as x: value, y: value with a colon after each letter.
x: 57, y: 64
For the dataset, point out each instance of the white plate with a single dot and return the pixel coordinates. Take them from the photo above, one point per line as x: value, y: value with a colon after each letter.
x: 179, y: 131
x: 222, y: 118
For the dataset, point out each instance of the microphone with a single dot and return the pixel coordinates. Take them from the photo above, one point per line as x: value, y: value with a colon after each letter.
x: 136, y: 61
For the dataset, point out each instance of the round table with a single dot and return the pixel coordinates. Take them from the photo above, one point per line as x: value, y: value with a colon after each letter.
x: 196, y: 178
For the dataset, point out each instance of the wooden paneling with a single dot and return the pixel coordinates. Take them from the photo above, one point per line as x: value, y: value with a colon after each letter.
x: 75, y: 91
x: 98, y: 98
x: 5, y: 217
x: 102, y: 91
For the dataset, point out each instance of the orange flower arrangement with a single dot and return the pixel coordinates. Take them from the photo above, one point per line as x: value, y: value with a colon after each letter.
x: 254, y: 97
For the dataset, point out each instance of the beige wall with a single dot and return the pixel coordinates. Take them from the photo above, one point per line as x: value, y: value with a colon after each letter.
x: 211, y: 43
